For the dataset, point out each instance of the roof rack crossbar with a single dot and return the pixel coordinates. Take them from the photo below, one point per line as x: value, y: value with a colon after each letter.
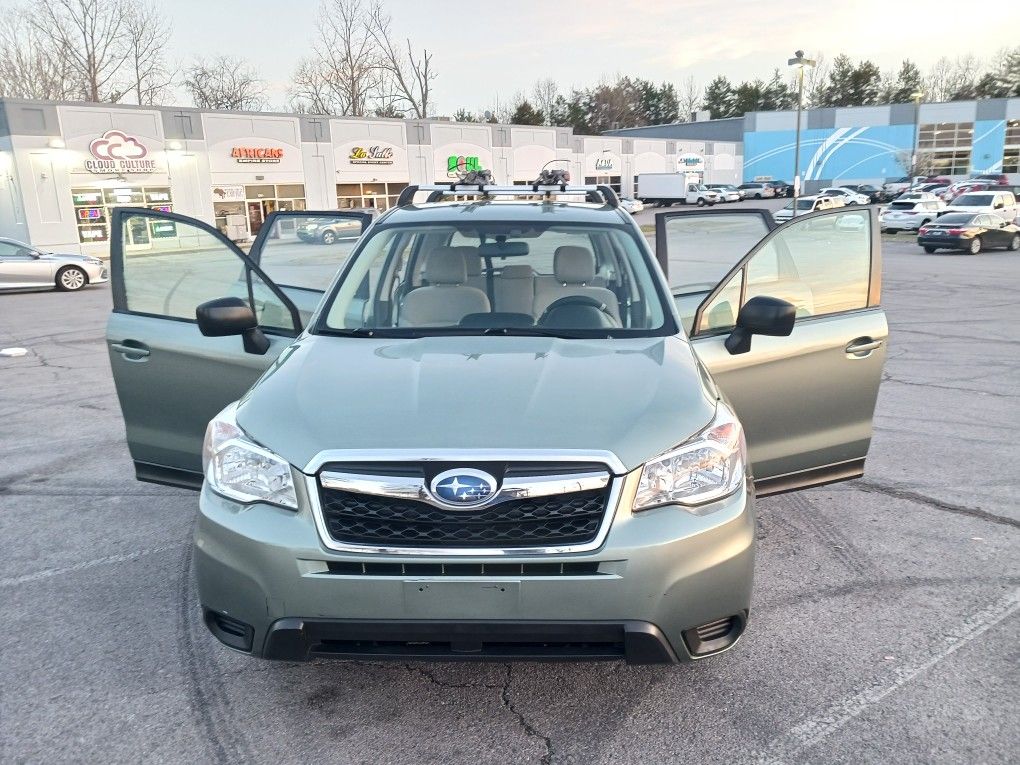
x: 437, y: 191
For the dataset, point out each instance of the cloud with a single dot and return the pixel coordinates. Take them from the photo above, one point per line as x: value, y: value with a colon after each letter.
x: 116, y: 145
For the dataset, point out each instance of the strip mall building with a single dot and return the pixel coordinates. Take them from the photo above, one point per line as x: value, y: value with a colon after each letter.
x: 64, y: 166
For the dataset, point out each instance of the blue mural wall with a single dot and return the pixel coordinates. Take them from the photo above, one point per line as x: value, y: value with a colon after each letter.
x: 829, y: 154
x: 989, y: 144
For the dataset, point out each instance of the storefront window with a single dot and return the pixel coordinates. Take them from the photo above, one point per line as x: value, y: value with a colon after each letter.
x: 360, y: 196
x: 239, y: 219
x: 93, y: 207
x: 612, y: 181
x: 1011, y: 151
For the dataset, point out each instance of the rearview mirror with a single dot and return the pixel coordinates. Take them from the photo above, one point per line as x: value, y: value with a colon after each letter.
x: 232, y: 316
x: 503, y: 249
x: 761, y: 315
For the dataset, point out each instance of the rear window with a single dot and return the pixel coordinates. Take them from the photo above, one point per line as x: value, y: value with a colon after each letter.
x: 902, y: 205
x: 956, y: 218
x: 973, y: 200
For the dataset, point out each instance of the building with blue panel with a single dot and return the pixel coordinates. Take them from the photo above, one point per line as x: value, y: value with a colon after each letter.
x: 867, y: 144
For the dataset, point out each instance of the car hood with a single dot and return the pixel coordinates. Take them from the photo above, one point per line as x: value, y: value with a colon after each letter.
x: 59, y: 257
x: 634, y: 397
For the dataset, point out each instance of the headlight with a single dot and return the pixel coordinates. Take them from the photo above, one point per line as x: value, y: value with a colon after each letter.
x: 708, y: 467
x: 240, y: 469
x: 94, y: 261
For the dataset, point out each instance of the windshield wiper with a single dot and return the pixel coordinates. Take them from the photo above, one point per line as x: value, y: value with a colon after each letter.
x: 538, y: 332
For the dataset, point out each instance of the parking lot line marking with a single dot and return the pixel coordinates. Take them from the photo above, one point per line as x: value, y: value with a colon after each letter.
x: 811, y: 731
x: 105, y: 561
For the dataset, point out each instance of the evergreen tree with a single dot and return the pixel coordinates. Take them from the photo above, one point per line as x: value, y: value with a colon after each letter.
x: 1003, y: 81
x: 778, y: 94
x: 526, y: 114
x: 907, y: 82
x: 463, y: 115
x: 718, y: 99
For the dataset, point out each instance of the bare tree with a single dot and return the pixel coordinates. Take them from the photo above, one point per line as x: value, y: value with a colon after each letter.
x: 816, y: 80
x: 543, y: 96
x: 409, y: 76
x: 913, y: 165
x: 225, y: 83
x: 342, y: 75
x: 688, y: 98
x: 952, y: 79
x: 92, y: 36
x: 30, y: 66
x: 147, y: 35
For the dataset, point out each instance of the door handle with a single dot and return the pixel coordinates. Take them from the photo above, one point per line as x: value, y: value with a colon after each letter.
x: 137, y: 352
x: 862, y: 347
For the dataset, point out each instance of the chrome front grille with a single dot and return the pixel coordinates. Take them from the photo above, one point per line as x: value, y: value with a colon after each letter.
x: 535, y: 508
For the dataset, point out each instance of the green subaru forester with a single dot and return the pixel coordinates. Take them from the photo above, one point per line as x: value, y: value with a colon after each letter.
x: 485, y: 425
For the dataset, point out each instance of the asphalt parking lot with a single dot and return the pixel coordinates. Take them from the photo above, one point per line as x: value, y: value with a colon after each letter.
x: 884, y: 625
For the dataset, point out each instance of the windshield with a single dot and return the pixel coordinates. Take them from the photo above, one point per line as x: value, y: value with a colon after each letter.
x: 499, y: 278
x: 803, y: 204
x: 973, y: 200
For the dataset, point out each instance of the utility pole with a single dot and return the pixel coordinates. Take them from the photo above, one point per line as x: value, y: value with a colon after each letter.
x: 801, y: 63
x: 917, y: 95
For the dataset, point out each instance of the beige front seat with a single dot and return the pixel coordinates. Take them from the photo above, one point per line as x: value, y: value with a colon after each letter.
x: 574, y: 268
x: 515, y: 289
x: 446, y: 300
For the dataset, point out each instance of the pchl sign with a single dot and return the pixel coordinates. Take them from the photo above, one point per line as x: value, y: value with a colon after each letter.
x: 458, y: 164
x: 259, y: 155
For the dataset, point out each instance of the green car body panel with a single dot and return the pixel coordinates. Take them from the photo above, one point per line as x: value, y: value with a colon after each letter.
x: 272, y: 583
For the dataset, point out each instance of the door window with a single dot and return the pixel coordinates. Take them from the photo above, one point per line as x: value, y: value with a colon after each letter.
x: 820, y: 265
x: 185, y: 266
x: 12, y: 251
x: 306, y: 251
x: 702, y: 248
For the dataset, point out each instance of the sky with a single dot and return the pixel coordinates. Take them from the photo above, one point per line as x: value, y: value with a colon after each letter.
x: 484, y: 50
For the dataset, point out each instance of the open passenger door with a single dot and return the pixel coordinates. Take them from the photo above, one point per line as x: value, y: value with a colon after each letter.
x: 806, y: 400
x: 170, y: 378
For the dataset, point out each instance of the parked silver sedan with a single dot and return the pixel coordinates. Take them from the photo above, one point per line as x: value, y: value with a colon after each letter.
x: 23, y: 267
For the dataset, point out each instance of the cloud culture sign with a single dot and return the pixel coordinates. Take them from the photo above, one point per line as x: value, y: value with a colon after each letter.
x: 117, y: 152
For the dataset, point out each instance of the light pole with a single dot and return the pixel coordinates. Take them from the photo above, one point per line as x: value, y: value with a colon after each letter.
x: 801, y: 63
x: 917, y: 95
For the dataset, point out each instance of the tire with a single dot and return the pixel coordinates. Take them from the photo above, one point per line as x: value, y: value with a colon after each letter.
x: 923, y: 224
x: 930, y: 250
x: 1014, y: 243
x: 328, y: 237
x: 758, y: 195
x: 975, y: 245
x: 701, y: 201
x: 71, y: 279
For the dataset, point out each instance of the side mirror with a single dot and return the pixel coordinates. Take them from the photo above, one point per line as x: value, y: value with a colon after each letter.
x: 761, y: 315
x: 232, y: 316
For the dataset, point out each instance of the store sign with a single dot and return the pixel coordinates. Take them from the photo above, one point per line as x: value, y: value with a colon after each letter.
x: 373, y: 155
x: 690, y: 162
x: 604, y: 163
x: 247, y: 155
x: 117, y: 152
x: 455, y: 165
x: 228, y: 193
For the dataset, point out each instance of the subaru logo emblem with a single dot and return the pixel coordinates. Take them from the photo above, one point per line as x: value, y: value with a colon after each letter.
x: 463, y: 487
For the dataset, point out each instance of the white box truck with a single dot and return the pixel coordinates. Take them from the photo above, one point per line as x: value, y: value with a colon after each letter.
x: 663, y: 189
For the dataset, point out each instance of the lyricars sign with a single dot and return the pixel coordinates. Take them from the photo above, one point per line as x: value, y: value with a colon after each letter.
x: 117, y: 152
x: 604, y: 163
x: 373, y: 155
x: 247, y: 155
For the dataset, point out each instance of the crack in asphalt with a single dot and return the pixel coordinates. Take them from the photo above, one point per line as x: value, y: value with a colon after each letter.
x: 428, y: 675
x: 898, y: 492
x: 530, y: 729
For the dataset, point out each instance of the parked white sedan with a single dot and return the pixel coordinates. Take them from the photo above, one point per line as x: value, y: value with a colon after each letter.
x: 23, y: 267
x: 850, y: 197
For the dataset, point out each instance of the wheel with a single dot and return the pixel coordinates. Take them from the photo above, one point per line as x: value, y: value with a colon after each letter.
x: 890, y: 231
x: 328, y: 237
x: 923, y: 223
x: 758, y: 195
x: 975, y: 245
x: 930, y: 250
x: 1014, y: 243
x: 71, y: 279
x: 701, y: 201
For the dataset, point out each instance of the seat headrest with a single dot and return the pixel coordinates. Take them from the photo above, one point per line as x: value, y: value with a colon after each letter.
x: 471, y: 258
x: 573, y: 265
x: 517, y: 272
x: 445, y: 265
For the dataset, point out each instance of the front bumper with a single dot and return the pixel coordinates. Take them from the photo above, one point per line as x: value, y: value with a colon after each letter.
x: 900, y: 224
x: 98, y: 274
x: 268, y: 585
